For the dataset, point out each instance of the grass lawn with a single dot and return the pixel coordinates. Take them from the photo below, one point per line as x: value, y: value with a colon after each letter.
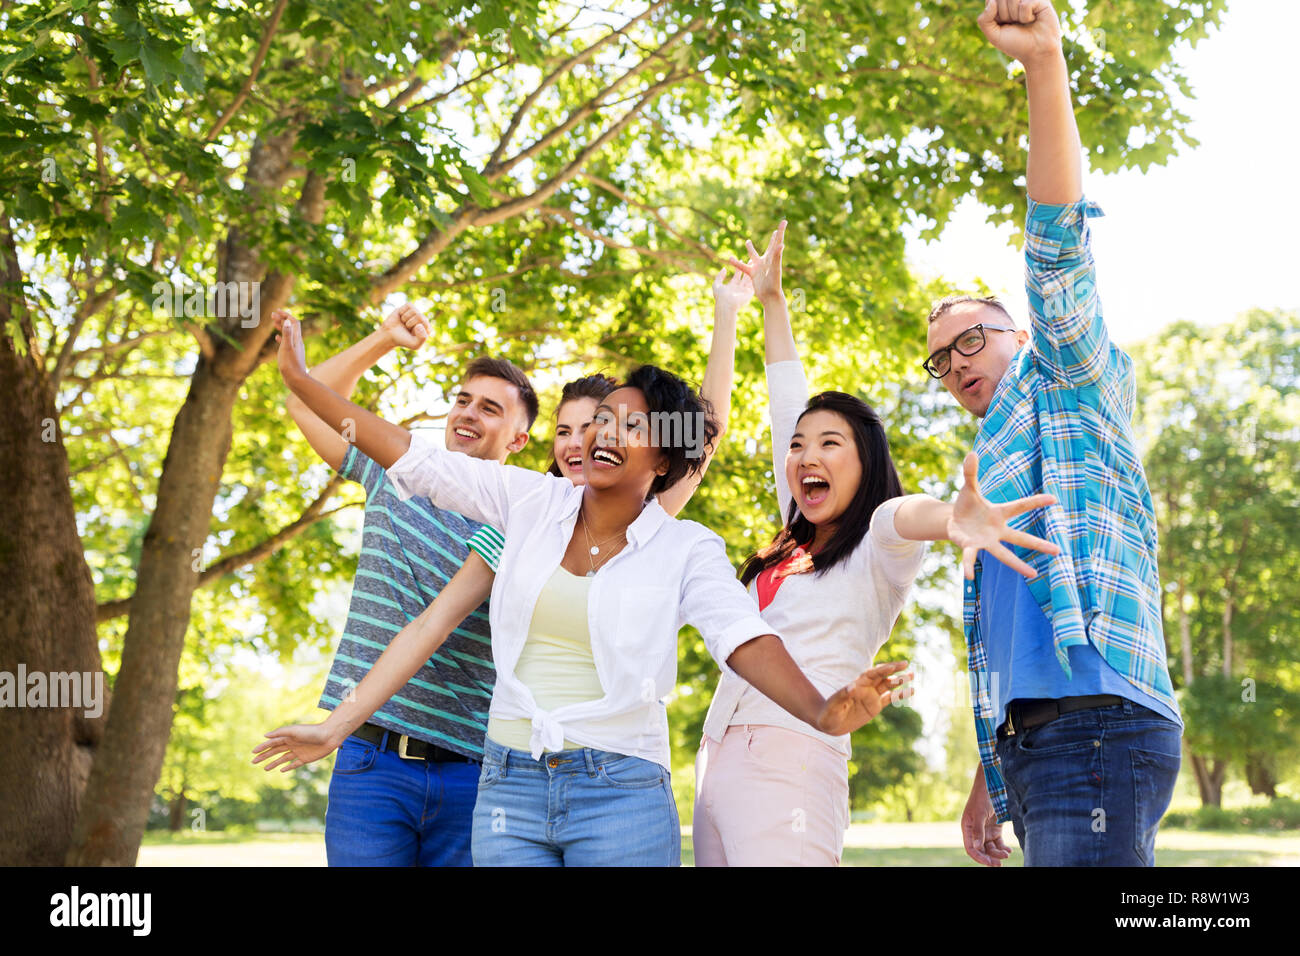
x: 872, y: 844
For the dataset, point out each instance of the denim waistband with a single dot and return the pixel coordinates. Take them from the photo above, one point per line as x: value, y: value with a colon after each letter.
x: 584, y: 759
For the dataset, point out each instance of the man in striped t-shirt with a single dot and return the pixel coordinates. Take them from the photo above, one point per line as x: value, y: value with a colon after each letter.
x: 404, y: 784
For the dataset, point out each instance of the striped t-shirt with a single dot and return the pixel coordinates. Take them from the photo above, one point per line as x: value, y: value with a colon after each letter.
x: 409, y: 551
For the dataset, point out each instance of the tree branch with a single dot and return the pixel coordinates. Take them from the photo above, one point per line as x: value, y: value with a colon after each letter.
x: 267, y: 33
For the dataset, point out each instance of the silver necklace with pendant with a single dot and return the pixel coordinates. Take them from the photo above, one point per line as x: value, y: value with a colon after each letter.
x: 593, y: 549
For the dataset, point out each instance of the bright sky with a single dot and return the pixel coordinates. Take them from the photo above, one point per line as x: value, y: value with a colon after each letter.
x: 1205, y: 237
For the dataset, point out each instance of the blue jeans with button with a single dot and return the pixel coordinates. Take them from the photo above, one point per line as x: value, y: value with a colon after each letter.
x: 1089, y: 788
x: 386, y: 810
x: 574, y: 808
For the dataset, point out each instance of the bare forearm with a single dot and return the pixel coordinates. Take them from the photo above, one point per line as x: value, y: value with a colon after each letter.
x: 1055, y: 173
x: 379, y: 440
x: 778, y: 339
x: 721, y: 370
x: 401, y: 661
x: 413, y: 645
x: 342, y: 372
x: 768, y: 667
x: 922, y: 518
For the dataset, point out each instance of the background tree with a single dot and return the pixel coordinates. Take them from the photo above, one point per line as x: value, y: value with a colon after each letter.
x: 545, y: 174
x: 1220, y: 416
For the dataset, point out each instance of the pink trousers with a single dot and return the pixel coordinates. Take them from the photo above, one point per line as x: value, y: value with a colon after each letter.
x: 767, y: 796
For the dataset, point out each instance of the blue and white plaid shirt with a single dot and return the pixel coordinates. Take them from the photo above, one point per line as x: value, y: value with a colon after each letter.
x: 1060, y: 423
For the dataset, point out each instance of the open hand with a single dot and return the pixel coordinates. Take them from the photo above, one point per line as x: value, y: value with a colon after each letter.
x: 764, y: 270
x: 406, y: 326
x: 292, y: 358
x: 732, y: 294
x: 295, y: 745
x: 874, y: 689
x: 1024, y: 30
x: 976, y: 524
x: 981, y: 834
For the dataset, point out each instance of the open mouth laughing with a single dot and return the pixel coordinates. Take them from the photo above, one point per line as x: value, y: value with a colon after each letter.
x: 605, y: 458
x: 815, y: 488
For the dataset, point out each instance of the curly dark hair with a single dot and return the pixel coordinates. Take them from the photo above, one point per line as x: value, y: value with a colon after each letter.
x: 589, y: 386
x: 879, y: 483
x: 674, y: 401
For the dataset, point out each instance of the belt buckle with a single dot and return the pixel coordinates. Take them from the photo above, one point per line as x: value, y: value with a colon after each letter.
x: 401, y: 748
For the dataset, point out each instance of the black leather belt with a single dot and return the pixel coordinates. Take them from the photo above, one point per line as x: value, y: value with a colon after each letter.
x: 1025, y: 715
x: 408, y: 748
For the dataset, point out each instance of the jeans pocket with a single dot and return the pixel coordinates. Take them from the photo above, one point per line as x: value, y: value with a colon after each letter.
x: 631, y: 773
x: 1059, y: 737
x: 355, y: 756
x: 1154, y: 776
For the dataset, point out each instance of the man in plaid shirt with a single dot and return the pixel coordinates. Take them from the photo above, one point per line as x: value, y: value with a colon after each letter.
x: 1079, y: 732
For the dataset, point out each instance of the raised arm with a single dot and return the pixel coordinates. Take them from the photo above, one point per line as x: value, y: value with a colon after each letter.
x: 787, y: 388
x: 1029, y: 31
x: 342, y: 372
x: 728, y: 299
x: 297, y: 744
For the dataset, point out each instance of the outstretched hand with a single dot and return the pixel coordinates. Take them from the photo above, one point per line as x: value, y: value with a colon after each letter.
x: 732, y: 294
x: 294, y: 745
x: 764, y: 270
x: 874, y: 689
x: 1024, y: 30
x: 977, y: 524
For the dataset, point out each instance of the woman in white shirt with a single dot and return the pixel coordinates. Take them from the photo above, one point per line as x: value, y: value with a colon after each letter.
x: 601, y: 795
x: 771, y: 790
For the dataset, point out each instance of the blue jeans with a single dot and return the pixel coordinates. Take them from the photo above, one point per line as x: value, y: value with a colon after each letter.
x: 388, y: 811
x: 574, y: 808
x: 1089, y: 788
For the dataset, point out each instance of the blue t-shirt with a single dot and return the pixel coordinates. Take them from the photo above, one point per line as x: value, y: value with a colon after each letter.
x: 1022, y: 657
x: 409, y: 551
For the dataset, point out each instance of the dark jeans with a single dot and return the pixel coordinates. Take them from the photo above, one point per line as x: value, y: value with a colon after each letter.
x: 388, y: 811
x: 1089, y: 788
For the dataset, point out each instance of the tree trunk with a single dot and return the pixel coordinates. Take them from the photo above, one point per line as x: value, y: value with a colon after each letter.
x: 1261, y: 774
x: 126, y: 769
x: 176, y: 812
x: 47, y: 602
x: 1209, y: 780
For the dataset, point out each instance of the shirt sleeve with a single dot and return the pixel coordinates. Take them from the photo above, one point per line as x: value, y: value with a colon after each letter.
x: 478, y: 489
x: 487, y: 543
x: 898, y: 558
x: 787, y: 397
x: 359, y: 467
x: 715, y: 602
x: 1069, y: 335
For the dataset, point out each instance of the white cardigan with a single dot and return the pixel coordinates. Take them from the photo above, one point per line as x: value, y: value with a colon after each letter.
x: 832, y: 623
x: 670, y: 573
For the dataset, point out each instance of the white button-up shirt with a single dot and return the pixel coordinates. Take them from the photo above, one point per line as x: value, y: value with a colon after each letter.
x: 670, y: 573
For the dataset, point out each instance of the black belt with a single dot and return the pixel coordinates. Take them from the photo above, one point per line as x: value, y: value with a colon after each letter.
x: 1025, y: 715
x: 408, y: 748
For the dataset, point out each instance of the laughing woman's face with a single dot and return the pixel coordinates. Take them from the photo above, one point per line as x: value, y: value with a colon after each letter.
x: 571, y: 423
x: 822, y: 466
x: 617, y: 447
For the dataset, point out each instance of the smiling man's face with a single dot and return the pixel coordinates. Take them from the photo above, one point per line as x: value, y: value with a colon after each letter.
x: 972, y: 379
x: 487, y: 419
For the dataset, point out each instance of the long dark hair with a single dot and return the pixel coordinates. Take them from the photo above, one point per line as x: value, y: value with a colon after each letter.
x: 879, y: 483
x: 589, y: 386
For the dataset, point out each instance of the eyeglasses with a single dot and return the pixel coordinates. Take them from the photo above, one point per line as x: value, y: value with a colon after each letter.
x: 968, y: 343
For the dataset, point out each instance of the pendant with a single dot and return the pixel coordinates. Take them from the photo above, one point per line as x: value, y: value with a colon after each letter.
x: 595, y: 551
x: 591, y: 574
